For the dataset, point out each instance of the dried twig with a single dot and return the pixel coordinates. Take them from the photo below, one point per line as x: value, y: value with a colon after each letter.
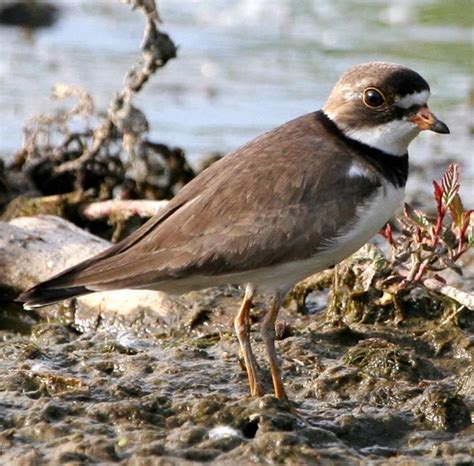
x: 460, y: 296
x: 157, y: 49
x: 124, y: 208
x: 106, y: 154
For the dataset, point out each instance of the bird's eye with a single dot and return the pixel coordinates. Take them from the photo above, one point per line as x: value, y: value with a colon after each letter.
x: 373, y: 98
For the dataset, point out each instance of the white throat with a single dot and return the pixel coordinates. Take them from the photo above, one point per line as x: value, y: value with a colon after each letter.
x: 393, y: 137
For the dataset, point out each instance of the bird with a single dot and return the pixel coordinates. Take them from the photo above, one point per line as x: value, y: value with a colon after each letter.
x: 292, y: 202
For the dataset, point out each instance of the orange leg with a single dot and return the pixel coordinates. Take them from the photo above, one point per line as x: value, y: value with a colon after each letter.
x: 242, y: 328
x: 268, y: 334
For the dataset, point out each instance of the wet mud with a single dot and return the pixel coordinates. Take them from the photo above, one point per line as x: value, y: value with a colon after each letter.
x: 378, y: 393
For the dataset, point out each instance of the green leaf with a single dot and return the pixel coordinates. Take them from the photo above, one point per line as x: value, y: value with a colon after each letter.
x: 470, y: 238
x: 456, y: 210
x: 417, y: 217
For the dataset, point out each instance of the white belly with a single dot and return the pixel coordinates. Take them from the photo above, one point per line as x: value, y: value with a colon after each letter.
x: 371, y: 218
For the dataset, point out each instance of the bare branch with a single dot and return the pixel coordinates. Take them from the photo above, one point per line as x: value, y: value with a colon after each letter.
x: 462, y: 297
x: 124, y: 208
x: 157, y: 49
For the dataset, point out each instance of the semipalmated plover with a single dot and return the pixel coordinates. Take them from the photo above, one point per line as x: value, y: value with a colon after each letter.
x: 290, y: 203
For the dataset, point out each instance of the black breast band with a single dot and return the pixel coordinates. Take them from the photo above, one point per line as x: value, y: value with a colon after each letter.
x: 392, y: 167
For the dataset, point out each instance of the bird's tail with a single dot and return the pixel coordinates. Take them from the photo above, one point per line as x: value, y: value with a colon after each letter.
x: 46, y: 293
x: 86, y: 277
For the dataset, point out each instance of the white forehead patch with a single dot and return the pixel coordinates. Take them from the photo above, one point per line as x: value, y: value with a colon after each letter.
x: 417, y: 98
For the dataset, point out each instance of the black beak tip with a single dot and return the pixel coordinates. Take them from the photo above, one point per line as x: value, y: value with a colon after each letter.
x: 441, y: 128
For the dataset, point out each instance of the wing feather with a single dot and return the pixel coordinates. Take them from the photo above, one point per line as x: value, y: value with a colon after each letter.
x: 276, y: 199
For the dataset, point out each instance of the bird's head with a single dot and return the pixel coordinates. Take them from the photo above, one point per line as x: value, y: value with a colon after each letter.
x: 383, y: 105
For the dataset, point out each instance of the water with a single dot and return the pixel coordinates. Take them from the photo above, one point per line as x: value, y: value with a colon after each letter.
x: 246, y: 66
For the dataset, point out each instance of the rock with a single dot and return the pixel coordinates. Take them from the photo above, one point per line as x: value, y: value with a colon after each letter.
x: 35, y: 248
x: 32, y: 249
x: 440, y: 409
x: 377, y: 357
x: 28, y: 14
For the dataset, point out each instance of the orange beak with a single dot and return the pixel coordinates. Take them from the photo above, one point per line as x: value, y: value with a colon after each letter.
x: 425, y: 119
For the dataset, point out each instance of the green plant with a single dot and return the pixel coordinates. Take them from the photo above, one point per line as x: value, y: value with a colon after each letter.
x: 428, y: 245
